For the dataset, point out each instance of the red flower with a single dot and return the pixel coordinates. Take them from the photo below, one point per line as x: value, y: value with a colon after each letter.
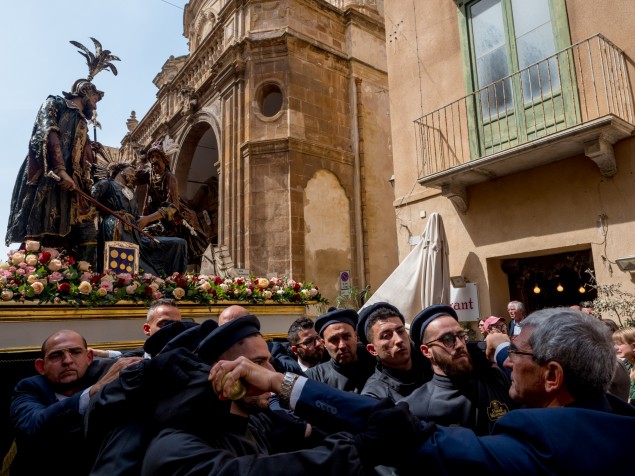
x: 71, y: 260
x: 218, y: 280
x: 44, y: 257
x: 148, y: 291
x: 297, y: 287
x: 121, y: 282
x: 64, y: 287
x: 94, y: 279
x: 212, y: 291
x: 181, y: 282
x: 297, y: 296
x: 239, y: 282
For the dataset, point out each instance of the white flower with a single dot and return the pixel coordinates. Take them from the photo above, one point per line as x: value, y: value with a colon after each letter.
x: 31, y: 279
x: 224, y: 287
x: 267, y: 294
x: 313, y: 292
x: 85, y: 287
x: 6, y: 295
x: 206, y: 286
x: 4, y: 265
x: 37, y: 287
x: 304, y: 292
x: 280, y: 291
x: 32, y: 245
x: 131, y: 288
x: 54, y: 265
x: 178, y: 293
x: 17, y: 258
x: 102, y: 292
x: 31, y: 260
x: 83, y: 265
x: 262, y: 282
x: 153, y: 286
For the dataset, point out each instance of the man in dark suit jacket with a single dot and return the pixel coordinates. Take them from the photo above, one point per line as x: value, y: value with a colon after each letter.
x: 47, y: 410
x: 562, y: 363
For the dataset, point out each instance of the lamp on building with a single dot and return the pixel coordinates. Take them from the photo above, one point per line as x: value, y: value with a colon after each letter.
x: 626, y: 264
x: 559, y: 288
x: 582, y: 289
x: 457, y: 281
x: 536, y: 289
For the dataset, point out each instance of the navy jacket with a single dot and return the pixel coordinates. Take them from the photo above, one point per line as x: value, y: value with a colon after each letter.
x: 587, y: 438
x: 47, y: 429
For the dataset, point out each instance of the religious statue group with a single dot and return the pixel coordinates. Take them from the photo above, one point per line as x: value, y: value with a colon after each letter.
x: 59, y: 201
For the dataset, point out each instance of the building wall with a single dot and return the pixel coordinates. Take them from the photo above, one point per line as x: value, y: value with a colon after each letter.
x: 305, y: 192
x: 545, y: 210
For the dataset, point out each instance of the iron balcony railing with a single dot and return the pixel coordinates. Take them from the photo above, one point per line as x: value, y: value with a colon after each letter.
x: 579, y: 84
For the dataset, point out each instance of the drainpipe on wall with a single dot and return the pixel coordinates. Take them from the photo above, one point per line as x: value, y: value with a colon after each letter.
x: 360, y: 232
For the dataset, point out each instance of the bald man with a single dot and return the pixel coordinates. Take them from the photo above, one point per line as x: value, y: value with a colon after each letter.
x: 230, y: 313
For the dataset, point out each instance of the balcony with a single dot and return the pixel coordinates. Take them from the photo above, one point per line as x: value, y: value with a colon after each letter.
x: 577, y: 101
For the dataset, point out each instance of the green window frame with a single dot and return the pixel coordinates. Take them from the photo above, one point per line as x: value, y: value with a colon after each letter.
x: 498, y: 120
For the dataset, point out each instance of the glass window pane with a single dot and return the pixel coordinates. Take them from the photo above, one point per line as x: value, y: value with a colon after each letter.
x: 534, y: 47
x: 487, y: 25
x: 492, y: 67
x: 529, y: 14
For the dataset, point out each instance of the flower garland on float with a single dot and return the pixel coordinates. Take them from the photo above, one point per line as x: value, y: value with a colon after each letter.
x: 47, y: 275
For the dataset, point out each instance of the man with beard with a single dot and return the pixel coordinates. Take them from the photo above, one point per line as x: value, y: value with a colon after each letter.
x: 164, y: 256
x: 304, y: 348
x: 47, y: 410
x: 465, y: 390
x: 245, y: 436
x: 381, y: 327
x: 42, y: 207
x: 350, y: 364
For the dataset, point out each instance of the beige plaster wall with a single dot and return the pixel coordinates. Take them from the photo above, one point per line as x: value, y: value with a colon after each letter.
x: 327, y: 237
x: 545, y: 210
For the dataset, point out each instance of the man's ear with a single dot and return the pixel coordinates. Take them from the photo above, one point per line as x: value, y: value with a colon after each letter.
x: 425, y: 350
x: 294, y: 349
x: 39, y: 366
x: 146, y: 328
x: 90, y: 355
x: 371, y: 349
x: 554, y: 377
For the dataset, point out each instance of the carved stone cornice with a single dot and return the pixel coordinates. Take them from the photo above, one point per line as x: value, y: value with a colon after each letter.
x: 290, y: 144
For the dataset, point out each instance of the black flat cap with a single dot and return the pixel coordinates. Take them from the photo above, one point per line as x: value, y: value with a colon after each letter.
x: 364, y: 314
x: 161, y: 337
x: 425, y: 317
x: 334, y: 316
x: 223, y: 337
x: 192, y: 337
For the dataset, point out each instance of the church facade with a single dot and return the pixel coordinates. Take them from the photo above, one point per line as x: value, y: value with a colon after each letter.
x: 279, y: 131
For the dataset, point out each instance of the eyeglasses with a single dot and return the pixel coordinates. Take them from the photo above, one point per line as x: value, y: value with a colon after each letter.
x: 513, y: 353
x: 311, y: 341
x: 155, y: 164
x: 58, y: 355
x: 449, y: 339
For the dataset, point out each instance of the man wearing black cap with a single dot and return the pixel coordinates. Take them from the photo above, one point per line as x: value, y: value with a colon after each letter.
x: 247, y: 437
x: 381, y: 327
x: 350, y: 364
x: 466, y: 390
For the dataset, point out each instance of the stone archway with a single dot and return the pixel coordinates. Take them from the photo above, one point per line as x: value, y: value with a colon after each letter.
x: 197, y: 174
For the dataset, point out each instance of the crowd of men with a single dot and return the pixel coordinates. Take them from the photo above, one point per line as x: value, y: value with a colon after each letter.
x: 346, y: 393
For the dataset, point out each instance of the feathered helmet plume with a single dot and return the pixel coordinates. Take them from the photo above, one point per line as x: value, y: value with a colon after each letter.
x: 99, y: 61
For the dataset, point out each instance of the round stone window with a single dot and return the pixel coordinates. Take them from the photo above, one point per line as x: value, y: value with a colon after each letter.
x: 270, y: 99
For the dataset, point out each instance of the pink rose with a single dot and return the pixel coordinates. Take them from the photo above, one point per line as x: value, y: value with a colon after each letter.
x: 37, y: 287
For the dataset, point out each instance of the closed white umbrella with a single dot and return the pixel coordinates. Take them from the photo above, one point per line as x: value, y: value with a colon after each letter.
x: 436, y: 263
x: 423, y: 278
